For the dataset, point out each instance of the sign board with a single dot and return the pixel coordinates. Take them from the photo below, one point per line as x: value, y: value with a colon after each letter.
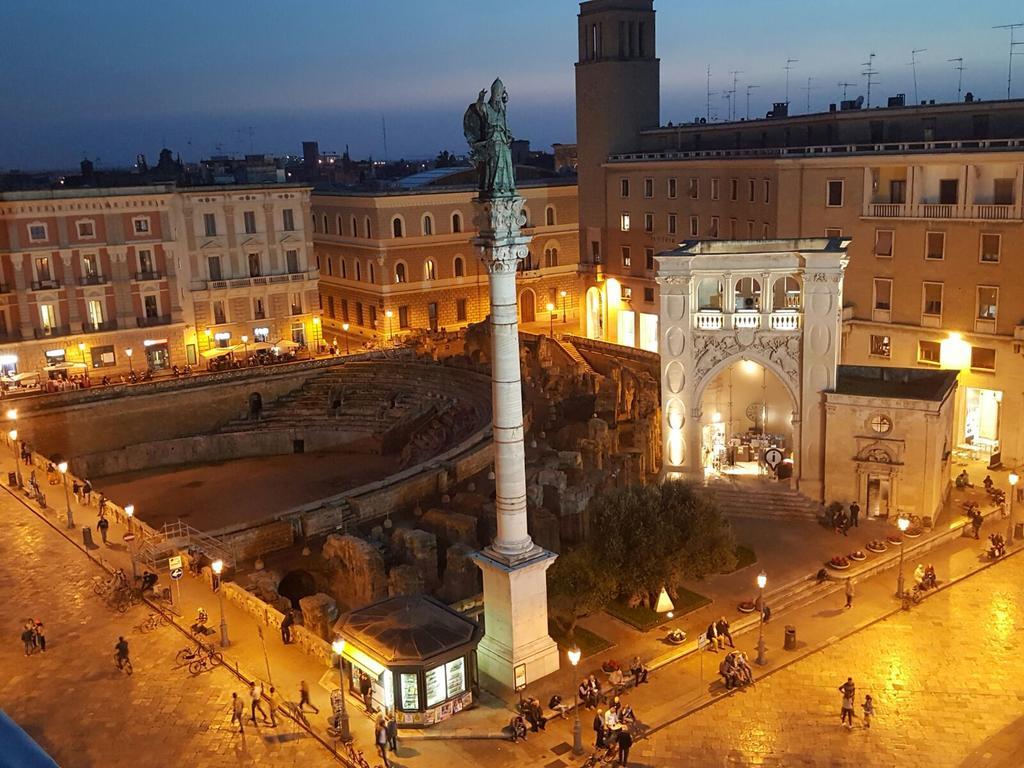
x: 129, y: 537
x: 176, y: 573
x: 520, y: 676
x: 773, y: 457
x: 336, y: 701
x: 174, y: 562
x: 702, y: 642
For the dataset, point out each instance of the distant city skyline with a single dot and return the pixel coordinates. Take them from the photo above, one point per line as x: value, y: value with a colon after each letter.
x: 126, y: 78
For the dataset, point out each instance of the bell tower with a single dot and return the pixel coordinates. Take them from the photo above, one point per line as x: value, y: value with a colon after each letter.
x: 617, y: 96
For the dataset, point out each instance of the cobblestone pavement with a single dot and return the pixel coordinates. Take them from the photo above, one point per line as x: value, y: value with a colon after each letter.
x: 75, y: 702
x: 945, y: 678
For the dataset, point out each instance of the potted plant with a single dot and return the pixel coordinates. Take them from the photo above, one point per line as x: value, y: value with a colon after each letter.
x: 839, y: 562
x: 610, y: 666
x: 877, y: 546
x: 857, y: 556
x: 747, y: 606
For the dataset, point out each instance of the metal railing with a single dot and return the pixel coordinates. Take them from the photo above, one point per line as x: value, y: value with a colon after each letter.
x: 148, y: 322
x: 104, y: 325
x: 45, y: 285
x: 92, y: 280
x: 53, y: 330
x: 143, y: 276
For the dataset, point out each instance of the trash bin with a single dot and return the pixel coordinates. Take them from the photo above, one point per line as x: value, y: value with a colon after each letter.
x: 790, y: 643
x: 87, y: 537
x: 12, y: 479
x: 1018, y: 531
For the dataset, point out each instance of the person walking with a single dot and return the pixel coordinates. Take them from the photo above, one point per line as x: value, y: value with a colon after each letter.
x: 274, y: 703
x: 256, y: 703
x: 40, y: 633
x: 121, y: 648
x: 599, y: 729
x: 854, y: 514
x: 86, y: 492
x: 286, y: 626
x: 304, y: 698
x: 237, y: 711
x: 849, y: 690
x: 28, y: 638
x: 103, y: 524
x: 849, y: 592
x: 391, y: 723
x: 869, y: 710
x: 976, y: 521
x: 76, y: 491
x: 625, y: 742
x: 380, y: 738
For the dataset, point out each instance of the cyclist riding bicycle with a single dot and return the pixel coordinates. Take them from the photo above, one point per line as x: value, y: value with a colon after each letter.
x: 122, y: 651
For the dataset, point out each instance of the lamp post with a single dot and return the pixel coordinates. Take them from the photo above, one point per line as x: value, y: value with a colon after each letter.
x: 389, y: 314
x: 1014, y: 478
x: 129, y: 510
x: 12, y: 416
x: 218, y: 566
x: 316, y: 333
x: 762, y: 580
x: 551, y: 318
x: 338, y: 646
x: 81, y: 348
x: 209, y: 338
x: 902, y: 523
x: 63, y: 469
x: 577, y: 735
x: 345, y: 327
x: 563, y: 294
x: 131, y: 367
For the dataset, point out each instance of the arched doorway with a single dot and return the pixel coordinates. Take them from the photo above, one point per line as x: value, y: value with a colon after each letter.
x: 297, y: 585
x: 745, y: 410
x: 595, y: 313
x: 527, y: 306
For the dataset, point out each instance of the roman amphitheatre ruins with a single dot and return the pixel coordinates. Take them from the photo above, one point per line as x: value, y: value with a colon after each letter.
x: 361, y: 478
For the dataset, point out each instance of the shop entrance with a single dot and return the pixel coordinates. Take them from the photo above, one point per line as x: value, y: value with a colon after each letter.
x: 595, y: 314
x: 981, y: 419
x: 745, y: 410
x: 157, y: 356
x: 879, y: 491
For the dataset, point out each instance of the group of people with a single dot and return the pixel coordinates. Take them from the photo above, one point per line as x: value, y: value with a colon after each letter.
x: 736, y: 670
x: 842, y: 521
x: 612, y: 728
x: 717, y: 633
x: 33, y: 636
x: 924, y: 576
x: 849, y: 691
x: 385, y: 736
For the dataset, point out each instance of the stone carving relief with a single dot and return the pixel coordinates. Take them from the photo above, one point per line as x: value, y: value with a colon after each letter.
x: 783, y: 351
x: 878, y: 453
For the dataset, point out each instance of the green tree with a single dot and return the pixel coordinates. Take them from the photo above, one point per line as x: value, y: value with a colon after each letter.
x: 576, y: 587
x: 647, y: 537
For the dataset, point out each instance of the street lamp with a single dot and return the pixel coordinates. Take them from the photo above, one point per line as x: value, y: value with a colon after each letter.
x: 316, y: 332
x: 129, y: 511
x: 389, y: 314
x: 577, y: 735
x: 762, y: 580
x: 63, y: 469
x: 1014, y: 478
x: 563, y: 294
x: 245, y: 348
x: 81, y: 348
x: 131, y: 367
x: 902, y: 523
x: 218, y: 566
x: 338, y: 646
x: 13, y: 434
x: 551, y: 319
x: 345, y: 327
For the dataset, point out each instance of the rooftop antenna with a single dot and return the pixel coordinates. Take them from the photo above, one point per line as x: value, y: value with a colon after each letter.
x: 808, y: 88
x: 960, y: 77
x: 734, y: 74
x: 1009, y: 68
x: 384, y: 131
x: 844, y: 86
x: 749, y: 88
x: 913, y: 65
x: 727, y: 95
x: 869, y: 73
x: 707, y: 117
x: 789, y: 66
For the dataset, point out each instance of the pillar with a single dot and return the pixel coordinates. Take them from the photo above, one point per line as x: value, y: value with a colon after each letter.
x: 514, y: 567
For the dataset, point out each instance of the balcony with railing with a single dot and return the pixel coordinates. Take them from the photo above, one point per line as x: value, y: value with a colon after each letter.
x: 92, y: 280
x: 52, y: 330
x: 982, y: 192
x: 45, y: 285
x: 715, y: 320
x: 149, y: 322
x: 96, y: 327
x: 146, y: 276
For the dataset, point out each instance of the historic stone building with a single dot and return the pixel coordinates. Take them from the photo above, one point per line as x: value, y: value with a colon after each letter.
x: 403, y: 259
x: 930, y: 197
x: 114, y: 279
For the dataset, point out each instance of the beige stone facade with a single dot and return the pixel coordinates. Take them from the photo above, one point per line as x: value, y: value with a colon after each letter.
x: 410, y: 253
x: 88, y: 275
x: 930, y: 196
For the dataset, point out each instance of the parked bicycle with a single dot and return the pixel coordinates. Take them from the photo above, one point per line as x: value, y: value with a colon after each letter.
x: 104, y: 586
x: 153, y: 621
x: 198, y: 658
x: 123, y: 598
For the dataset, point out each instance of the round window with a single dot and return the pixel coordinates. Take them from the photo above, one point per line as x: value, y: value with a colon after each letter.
x: 880, y: 424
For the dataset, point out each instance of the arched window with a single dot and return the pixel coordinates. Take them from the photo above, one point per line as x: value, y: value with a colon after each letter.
x: 399, y: 272
x: 460, y: 267
x: 429, y: 270
x: 313, y: 217
x: 359, y: 271
x: 551, y: 257
x: 330, y: 266
x: 366, y: 227
x: 786, y: 293
x: 428, y: 224
x: 373, y: 274
x: 327, y: 231
x: 709, y: 294
x: 339, y: 226
x: 748, y: 294
x: 355, y: 230
x: 396, y: 227
x: 456, y: 222
x: 549, y: 216
x: 344, y: 268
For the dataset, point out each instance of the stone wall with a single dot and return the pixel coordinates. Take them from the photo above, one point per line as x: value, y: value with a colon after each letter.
x: 314, y: 646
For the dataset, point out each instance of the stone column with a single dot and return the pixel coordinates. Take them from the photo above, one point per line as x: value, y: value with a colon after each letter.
x: 514, y: 567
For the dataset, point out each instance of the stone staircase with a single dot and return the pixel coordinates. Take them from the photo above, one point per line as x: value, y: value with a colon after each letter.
x: 761, y: 498
x: 570, y: 349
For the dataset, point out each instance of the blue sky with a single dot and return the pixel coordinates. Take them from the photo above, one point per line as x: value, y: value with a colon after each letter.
x: 109, y: 78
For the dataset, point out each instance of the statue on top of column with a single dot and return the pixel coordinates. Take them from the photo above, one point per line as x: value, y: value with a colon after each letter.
x: 485, y: 125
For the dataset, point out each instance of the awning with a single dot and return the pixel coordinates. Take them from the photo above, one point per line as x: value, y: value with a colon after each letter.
x: 365, y: 662
x: 287, y: 344
x: 216, y: 352
x: 65, y: 366
x: 255, y: 346
x: 24, y: 376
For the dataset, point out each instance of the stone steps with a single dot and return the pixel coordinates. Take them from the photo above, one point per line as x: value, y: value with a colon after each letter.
x: 761, y: 499
x: 570, y: 349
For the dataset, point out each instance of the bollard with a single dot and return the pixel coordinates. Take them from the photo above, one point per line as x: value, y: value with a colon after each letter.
x: 790, y: 642
x: 87, y: 537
